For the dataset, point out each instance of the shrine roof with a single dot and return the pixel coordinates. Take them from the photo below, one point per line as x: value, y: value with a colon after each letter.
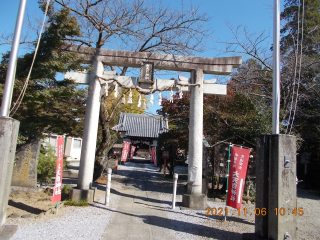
x: 141, y: 125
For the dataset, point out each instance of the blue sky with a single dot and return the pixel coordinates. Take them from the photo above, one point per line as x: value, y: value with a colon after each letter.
x: 256, y: 15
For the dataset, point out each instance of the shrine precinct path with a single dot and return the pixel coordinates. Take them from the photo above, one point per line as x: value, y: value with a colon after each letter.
x: 144, y: 209
x: 140, y: 208
x: 140, y: 213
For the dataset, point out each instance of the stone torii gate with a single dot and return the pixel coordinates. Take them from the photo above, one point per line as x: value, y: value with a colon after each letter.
x: 197, y: 66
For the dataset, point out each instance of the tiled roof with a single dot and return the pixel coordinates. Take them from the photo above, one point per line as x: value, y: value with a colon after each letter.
x: 141, y: 125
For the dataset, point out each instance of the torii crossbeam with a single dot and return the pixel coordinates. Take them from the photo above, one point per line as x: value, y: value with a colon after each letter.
x: 197, y: 66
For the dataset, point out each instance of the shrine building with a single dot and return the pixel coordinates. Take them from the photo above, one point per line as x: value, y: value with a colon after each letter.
x: 141, y: 130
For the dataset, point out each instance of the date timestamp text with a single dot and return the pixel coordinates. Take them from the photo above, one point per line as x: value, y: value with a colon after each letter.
x: 257, y: 212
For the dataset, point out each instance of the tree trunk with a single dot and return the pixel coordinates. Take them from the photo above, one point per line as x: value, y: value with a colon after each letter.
x: 101, y: 158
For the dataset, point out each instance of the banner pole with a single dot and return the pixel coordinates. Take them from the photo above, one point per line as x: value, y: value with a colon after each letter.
x: 57, y: 207
x: 225, y: 216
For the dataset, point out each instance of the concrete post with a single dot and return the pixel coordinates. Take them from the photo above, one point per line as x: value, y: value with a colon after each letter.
x: 194, y: 197
x: 9, y: 129
x: 108, y: 186
x: 175, y: 181
x: 90, y: 129
x: 276, y: 186
x: 195, y: 134
x: 282, y: 187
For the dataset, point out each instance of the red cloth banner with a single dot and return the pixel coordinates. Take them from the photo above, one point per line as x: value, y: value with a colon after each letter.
x: 237, y: 176
x: 125, y: 151
x: 133, y: 148
x: 154, y: 156
x: 57, y: 185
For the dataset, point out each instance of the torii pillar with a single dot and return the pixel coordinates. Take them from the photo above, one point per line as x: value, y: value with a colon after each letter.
x: 196, y: 133
x: 194, y: 197
x: 196, y: 65
x: 86, y: 168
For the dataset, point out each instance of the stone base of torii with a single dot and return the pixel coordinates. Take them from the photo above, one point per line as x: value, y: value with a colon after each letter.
x: 195, y: 65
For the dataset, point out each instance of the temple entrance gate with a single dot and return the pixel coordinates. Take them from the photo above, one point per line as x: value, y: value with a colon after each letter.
x: 197, y: 66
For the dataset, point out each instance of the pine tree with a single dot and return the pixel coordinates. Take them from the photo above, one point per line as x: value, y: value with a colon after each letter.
x: 48, y: 105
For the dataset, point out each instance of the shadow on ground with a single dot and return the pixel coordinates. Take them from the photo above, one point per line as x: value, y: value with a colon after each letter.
x: 304, y: 193
x: 25, y: 207
x: 181, y: 226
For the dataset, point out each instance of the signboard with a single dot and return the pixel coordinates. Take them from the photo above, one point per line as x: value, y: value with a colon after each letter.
x: 147, y: 72
x: 125, y: 151
x: 165, y: 154
x: 237, y: 175
x: 57, y: 185
x: 133, y: 148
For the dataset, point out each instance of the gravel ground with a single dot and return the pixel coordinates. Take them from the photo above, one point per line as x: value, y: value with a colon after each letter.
x: 75, y: 223
x: 195, y: 224
x: 309, y: 223
x: 91, y: 222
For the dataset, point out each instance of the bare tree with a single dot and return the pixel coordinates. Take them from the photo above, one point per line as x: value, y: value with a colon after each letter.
x: 299, y: 86
x: 138, y: 25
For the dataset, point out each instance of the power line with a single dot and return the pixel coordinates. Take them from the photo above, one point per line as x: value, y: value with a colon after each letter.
x: 295, y: 67
x: 24, y: 88
x: 297, y: 95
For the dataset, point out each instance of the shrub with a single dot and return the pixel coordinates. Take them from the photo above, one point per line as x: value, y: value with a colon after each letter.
x: 46, y: 164
x: 66, y: 189
x: 82, y: 203
x: 65, y: 167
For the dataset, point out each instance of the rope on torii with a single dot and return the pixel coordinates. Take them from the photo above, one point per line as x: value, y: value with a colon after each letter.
x: 147, y: 91
x: 181, y: 83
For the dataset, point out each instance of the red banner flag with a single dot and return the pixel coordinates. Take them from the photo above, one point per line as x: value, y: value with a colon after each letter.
x: 237, y: 176
x: 154, y: 156
x: 125, y: 151
x: 57, y: 185
x: 133, y: 148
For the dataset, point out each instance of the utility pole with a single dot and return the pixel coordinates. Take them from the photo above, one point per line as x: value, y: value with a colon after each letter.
x: 11, y: 71
x: 9, y: 127
x: 276, y: 164
x: 276, y: 68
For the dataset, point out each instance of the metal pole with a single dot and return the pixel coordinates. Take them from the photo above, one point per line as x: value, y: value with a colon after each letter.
x: 57, y: 207
x: 108, y: 186
x: 225, y: 216
x: 175, y: 180
x: 116, y: 164
x: 276, y: 68
x: 11, y: 72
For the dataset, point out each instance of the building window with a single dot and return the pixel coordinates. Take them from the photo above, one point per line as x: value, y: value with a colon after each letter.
x: 76, y: 143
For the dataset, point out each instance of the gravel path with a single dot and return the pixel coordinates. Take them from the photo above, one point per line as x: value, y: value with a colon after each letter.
x: 75, y: 223
x: 195, y: 224
x: 91, y: 222
x: 309, y: 223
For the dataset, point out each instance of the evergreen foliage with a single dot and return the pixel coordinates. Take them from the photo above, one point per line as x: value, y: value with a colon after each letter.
x: 46, y: 164
x: 49, y: 105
